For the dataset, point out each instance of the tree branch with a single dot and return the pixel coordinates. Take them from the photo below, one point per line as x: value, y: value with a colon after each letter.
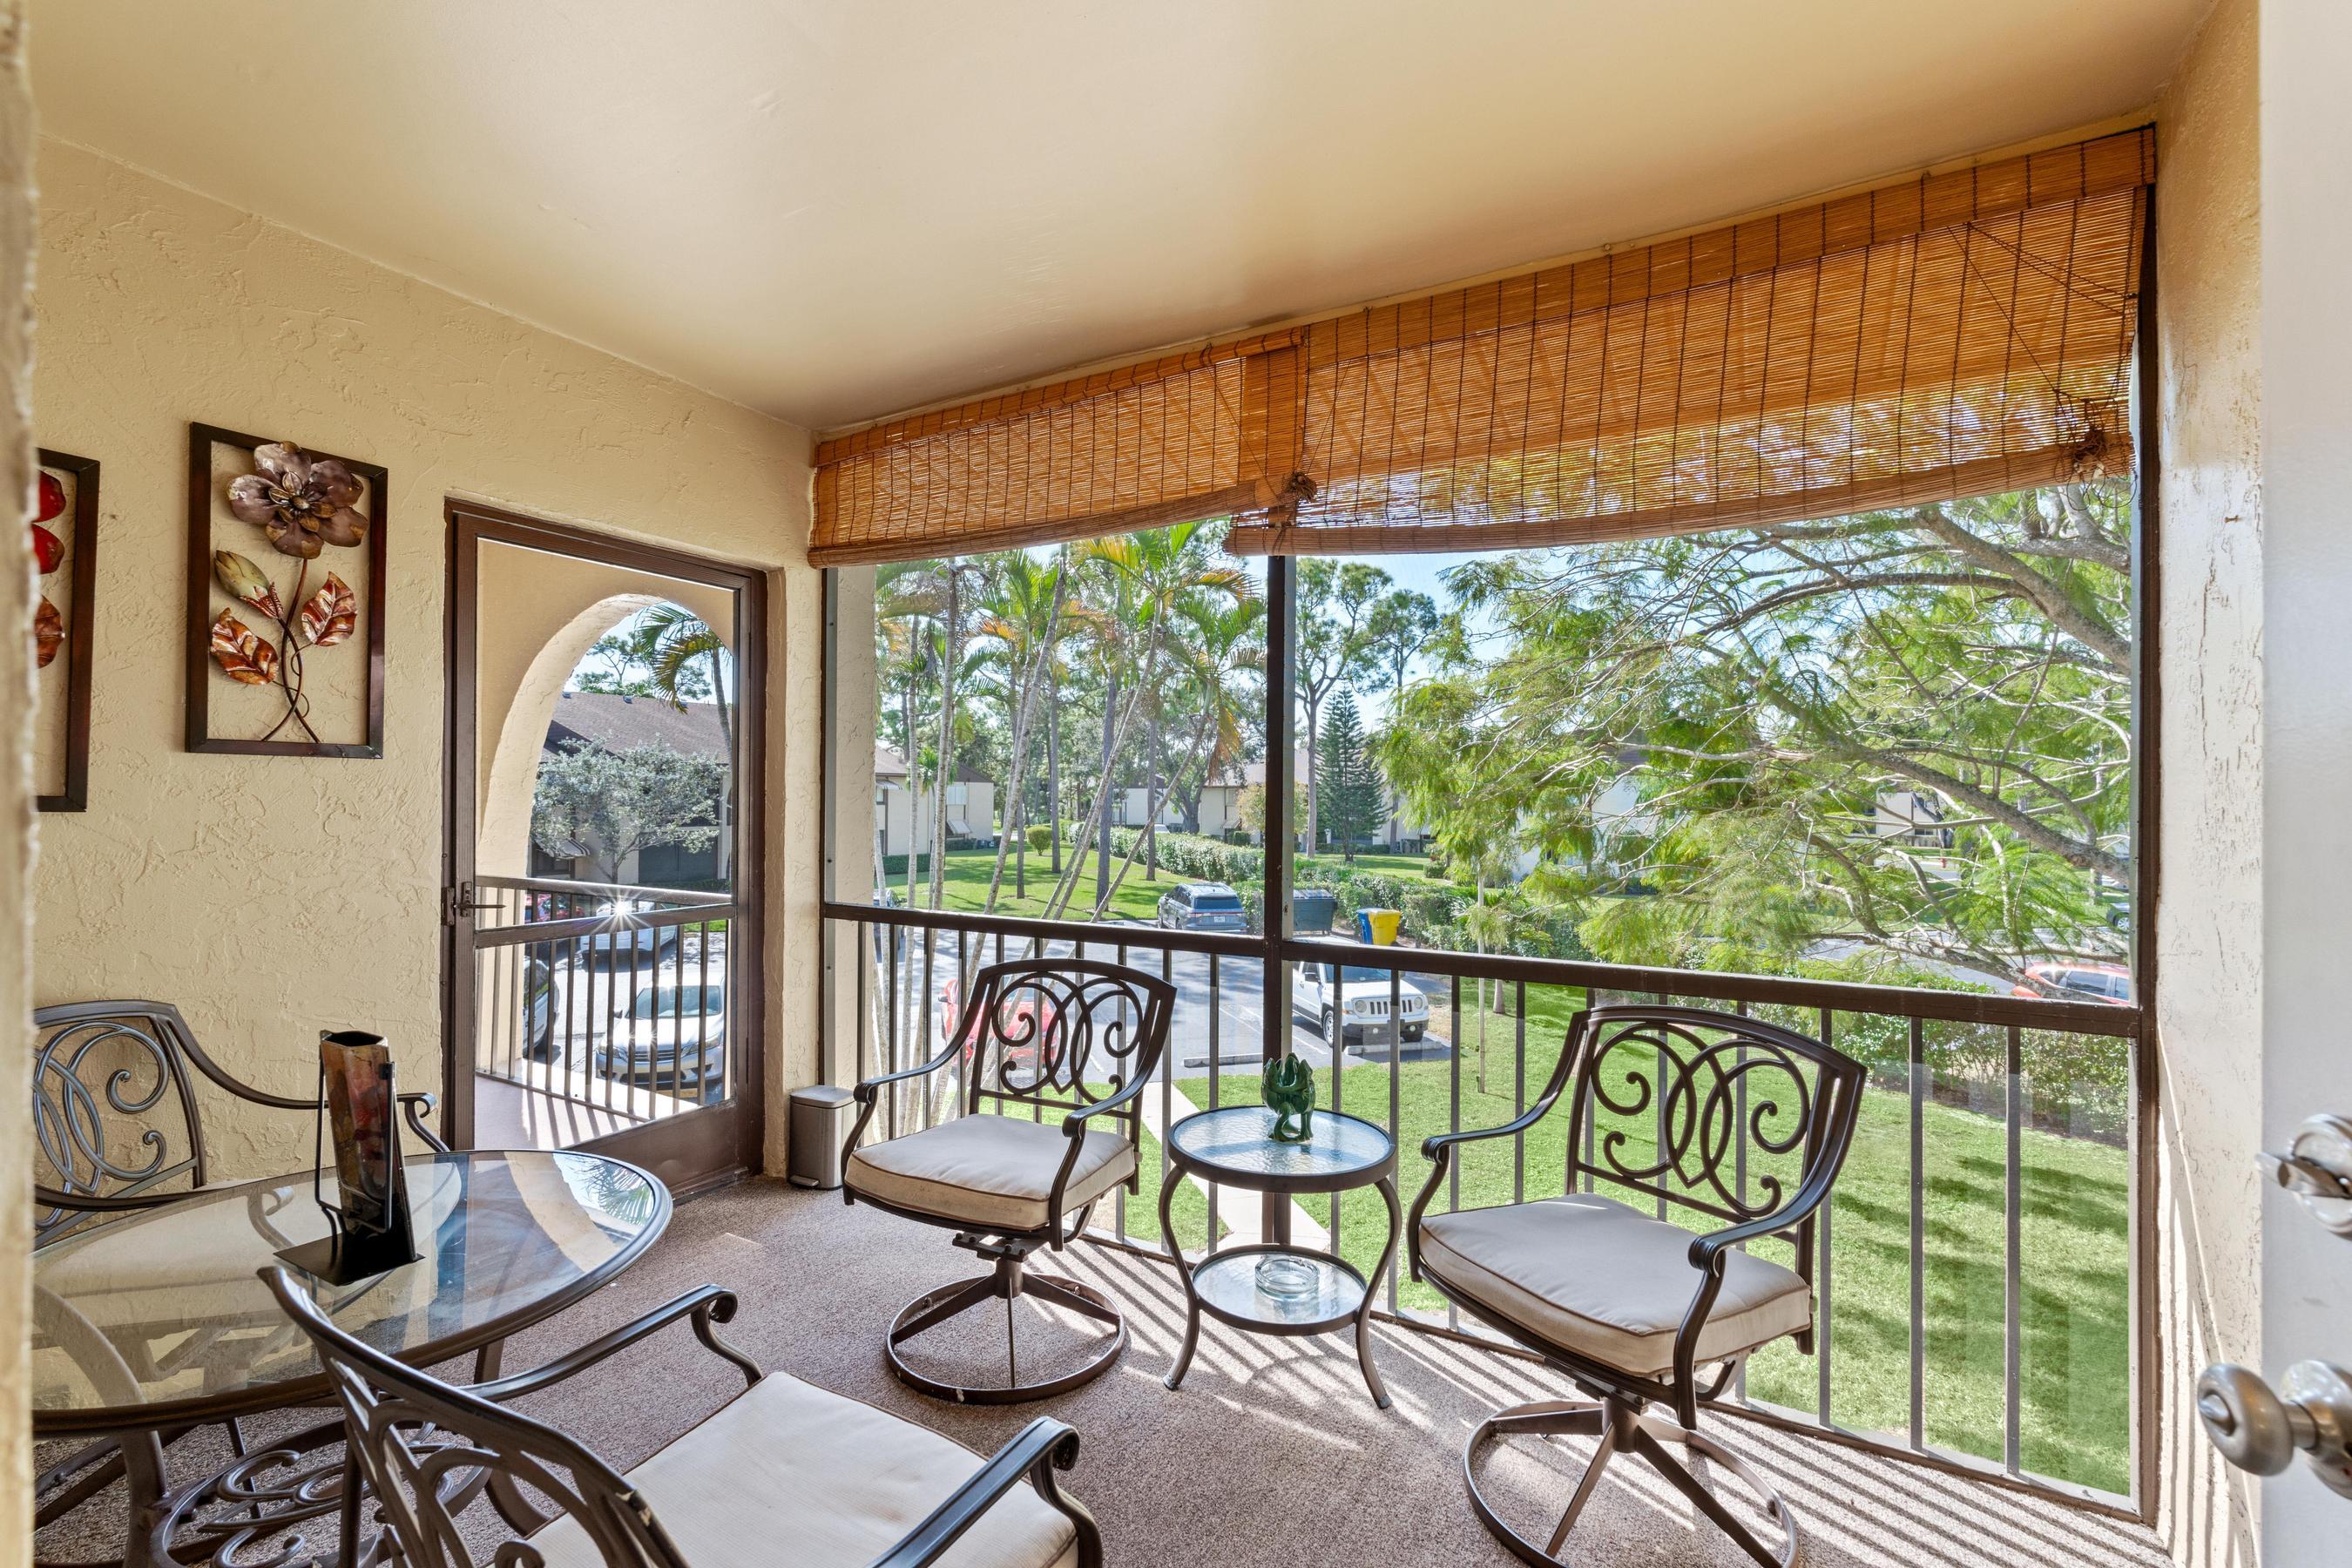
x: 2046, y: 595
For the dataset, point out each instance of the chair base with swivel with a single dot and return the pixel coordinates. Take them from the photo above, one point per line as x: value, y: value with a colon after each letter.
x: 1643, y: 1316
x: 1036, y: 1033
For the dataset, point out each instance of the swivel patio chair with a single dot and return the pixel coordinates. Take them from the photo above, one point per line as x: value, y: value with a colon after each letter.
x: 1735, y: 1121
x: 784, y: 1473
x: 1034, y: 1033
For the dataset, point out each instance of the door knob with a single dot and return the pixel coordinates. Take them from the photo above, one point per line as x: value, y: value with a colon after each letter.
x: 2260, y: 1431
x: 2317, y: 1169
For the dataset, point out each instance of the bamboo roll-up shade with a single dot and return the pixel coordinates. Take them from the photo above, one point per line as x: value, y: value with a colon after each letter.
x: 1210, y: 433
x: 1951, y: 335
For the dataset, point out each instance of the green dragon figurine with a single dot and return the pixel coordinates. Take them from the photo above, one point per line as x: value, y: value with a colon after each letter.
x: 1289, y: 1091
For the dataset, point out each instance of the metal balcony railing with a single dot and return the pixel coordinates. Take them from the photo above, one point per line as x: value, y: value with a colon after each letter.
x: 606, y: 998
x: 1978, y: 1286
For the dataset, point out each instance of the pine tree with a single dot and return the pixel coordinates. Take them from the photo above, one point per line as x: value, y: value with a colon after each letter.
x: 1349, y: 789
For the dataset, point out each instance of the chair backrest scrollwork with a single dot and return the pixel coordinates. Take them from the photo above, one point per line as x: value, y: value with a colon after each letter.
x: 428, y: 1450
x: 1710, y: 1112
x: 1047, y: 1031
x: 114, y: 1108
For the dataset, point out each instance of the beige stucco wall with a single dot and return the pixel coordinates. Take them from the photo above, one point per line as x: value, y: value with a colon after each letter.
x: 2208, y: 992
x: 269, y: 896
x: 16, y: 781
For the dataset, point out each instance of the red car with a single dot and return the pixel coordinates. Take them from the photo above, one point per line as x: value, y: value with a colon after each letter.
x: 1014, y: 1020
x: 2067, y: 980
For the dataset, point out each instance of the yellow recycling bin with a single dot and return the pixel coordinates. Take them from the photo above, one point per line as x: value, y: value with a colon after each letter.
x: 1379, y: 927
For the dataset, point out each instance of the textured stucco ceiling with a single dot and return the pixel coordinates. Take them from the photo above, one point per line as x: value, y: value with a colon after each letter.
x: 832, y: 209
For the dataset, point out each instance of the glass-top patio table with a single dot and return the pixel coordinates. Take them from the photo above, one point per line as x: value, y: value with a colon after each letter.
x: 1269, y: 1287
x: 160, y: 1322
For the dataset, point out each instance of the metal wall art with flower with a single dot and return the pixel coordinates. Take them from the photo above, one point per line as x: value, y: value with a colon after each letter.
x: 63, y: 541
x: 284, y: 543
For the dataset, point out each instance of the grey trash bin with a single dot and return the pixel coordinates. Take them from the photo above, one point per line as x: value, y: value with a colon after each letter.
x: 821, y: 1117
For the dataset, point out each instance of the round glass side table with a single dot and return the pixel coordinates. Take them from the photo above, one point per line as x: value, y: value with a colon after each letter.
x: 1272, y: 1288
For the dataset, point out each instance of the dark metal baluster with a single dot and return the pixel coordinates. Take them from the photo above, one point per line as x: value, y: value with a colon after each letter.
x: 1594, y: 999
x: 1519, y: 1093
x: 2012, y: 1253
x: 1740, y: 1168
x: 561, y: 1072
x: 859, y: 1033
x: 728, y: 1056
x: 1919, y: 1234
x: 1453, y: 1120
x: 1396, y: 1080
x: 1823, y: 1342
x: 1216, y: 1055
x: 1339, y: 1044
x: 1658, y: 1136
x: 929, y: 1000
x: 891, y: 1108
x: 964, y: 1095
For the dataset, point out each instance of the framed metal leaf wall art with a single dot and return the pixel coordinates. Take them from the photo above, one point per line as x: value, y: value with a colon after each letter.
x: 63, y: 540
x: 286, y: 583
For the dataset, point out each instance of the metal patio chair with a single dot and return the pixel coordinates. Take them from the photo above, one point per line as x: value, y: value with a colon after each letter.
x: 1740, y: 1122
x: 117, y: 1122
x: 1034, y: 1033
x: 117, y: 1127
x: 784, y: 1472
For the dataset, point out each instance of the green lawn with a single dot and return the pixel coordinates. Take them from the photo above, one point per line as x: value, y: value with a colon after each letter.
x: 2073, y: 1246
x: 1306, y: 868
x: 968, y: 871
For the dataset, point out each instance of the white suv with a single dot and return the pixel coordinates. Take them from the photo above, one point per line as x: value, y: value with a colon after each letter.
x: 1351, y: 1004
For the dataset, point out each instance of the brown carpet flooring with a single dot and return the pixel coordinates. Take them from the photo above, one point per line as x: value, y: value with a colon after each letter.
x: 1271, y: 1453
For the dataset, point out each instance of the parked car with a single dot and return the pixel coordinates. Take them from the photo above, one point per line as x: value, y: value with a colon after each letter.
x: 2069, y: 981
x: 1203, y: 906
x: 1024, y: 1019
x: 624, y: 940
x: 1351, y: 1004
x: 671, y: 1030
x: 543, y: 996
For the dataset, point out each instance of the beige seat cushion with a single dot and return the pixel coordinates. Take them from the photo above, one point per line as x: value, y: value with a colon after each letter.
x: 790, y: 1474
x: 989, y: 1172
x: 1611, y: 1284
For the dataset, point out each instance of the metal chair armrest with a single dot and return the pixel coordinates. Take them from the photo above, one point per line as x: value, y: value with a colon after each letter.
x: 93, y: 1202
x: 418, y: 1105
x: 1034, y: 1455
x: 707, y: 1305
x: 867, y: 1089
x: 1075, y: 1124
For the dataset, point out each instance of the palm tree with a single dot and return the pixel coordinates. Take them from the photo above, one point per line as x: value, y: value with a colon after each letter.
x: 1146, y: 575
x: 905, y: 603
x: 682, y: 656
x: 1026, y: 611
x: 1219, y: 641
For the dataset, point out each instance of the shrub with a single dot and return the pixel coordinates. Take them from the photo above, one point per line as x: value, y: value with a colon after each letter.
x: 1041, y: 838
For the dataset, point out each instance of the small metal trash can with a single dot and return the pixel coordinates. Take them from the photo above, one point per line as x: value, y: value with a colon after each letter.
x: 821, y: 1117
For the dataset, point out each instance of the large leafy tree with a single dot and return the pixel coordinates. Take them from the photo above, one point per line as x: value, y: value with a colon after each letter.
x: 609, y: 804
x: 1715, y: 743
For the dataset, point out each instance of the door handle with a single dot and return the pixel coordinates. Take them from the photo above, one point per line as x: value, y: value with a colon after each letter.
x: 2262, y: 1431
x: 457, y: 902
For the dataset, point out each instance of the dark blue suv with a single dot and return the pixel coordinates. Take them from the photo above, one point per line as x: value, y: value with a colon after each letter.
x: 1203, y: 906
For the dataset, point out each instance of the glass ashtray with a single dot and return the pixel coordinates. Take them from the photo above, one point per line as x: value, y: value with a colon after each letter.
x: 1285, y: 1277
